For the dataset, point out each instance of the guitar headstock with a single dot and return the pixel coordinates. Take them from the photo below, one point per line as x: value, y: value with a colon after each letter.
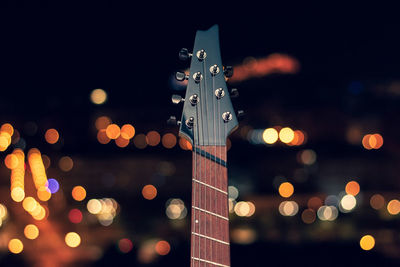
x: 208, y: 116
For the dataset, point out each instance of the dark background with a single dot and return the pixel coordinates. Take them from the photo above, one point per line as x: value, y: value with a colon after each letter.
x: 51, y: 61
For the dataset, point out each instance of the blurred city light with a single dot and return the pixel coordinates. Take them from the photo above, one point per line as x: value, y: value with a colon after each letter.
x: 367, y: 242
x: 31, y: 231
x: 286, y: 135
x: 15, y: 246
x: 352, y: 188
x: 377, y: 201
x: 149, y: 192
x: 288, y: 208
x: 72, y: 239
x: 270, y: 136
x: 286, y: 189
x: 51, y: 136
x: 348, y: 203
x: 98, y: 96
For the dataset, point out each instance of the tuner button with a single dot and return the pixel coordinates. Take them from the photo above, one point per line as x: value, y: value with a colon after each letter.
x: 181, y: 76
x: 228, y: 71
x: 172, y: 121
x: 240, y: 114
x: 176, y: 99
x: 184, y: 54
x: 234, y: 93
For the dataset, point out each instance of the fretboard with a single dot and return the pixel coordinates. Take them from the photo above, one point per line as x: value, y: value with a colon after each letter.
x: 210, y: 222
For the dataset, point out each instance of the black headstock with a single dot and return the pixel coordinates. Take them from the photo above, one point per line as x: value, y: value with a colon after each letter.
x: 208, y: 116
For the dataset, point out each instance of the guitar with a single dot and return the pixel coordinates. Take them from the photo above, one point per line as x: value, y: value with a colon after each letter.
x: 207, y: 120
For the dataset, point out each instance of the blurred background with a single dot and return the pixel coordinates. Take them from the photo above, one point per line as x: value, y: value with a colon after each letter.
x: 313, y: 168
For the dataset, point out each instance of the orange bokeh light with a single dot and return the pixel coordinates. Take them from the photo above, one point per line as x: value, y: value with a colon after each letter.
x: 79, y: 193
x: 113, y: 131
x: 168, y: 140
x: 286, y: 189
x: 121, y: 141
x: 352, y: 188
x: 314, y: 203
x: 102, y: 122
x: 153, y: 138
x: 162, y: 248
x: 11, y: 161
x: 149, y: 192
x: 185, y: 144
x: 102, y: 137
x: 8, y: 128
x: 44, y: 193
x: 127, y: 131
x: 51, y: 136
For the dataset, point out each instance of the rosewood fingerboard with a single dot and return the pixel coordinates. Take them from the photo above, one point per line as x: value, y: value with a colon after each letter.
x: 210, y: 222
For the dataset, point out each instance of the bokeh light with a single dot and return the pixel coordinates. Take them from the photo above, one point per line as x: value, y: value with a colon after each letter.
x: 286, y: 135
x: 308, y: 216
x: 127, y: 131
x: 393, y: 207
x: 286, y: 189
x: 52, y: 136
x: 53, y: 185
x: 72, y: 239
x: 377, y: 201
x: 78, y: 193
x: 8, y: 128
x: 168, y: 140
x: 102, y: 137
x: 352, y: 188
x: 140, y: 141
x: 94, y: 206
x: 75, y: 216
x: 15, y: 246
x: 149, y: 192
x: 102, y: 122
x: 175, y: 209
x: 307, y: 157
x: 44, y: 193
x: 125, y: 245
x: 121, y: 142
x: 162, y: 247
x: 98, y: 96
x: 113, y: 131
x: 270, y: 135
x: 288, y: 208
x: 153, y: 138
x: 327, y: 213
x: 66, y: 163
x: 348, y: 203
x: 31, y: 231
x: 367, y: 242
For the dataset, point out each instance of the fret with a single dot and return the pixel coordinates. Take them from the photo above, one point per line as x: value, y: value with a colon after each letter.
x: 211, y: 238
x: 210, y: 262
x: 210, y: 186
x: 211, y: 213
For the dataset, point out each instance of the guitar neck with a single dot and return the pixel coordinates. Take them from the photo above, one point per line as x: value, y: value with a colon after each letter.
x: 210, y: 222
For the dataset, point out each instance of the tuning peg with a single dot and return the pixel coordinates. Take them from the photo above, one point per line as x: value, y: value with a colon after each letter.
x: 172, y: 121
x: 240, y: 114
x: 184, y: 54
x: 176, y: 99
x: 181, y: 76
x: 234, y: 93
x: 228, y: 71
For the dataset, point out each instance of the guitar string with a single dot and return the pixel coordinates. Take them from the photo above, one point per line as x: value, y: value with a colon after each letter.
x: 207, y: 179
x: 215, y: 153
x: 219, y: 155
x: 194, y: 176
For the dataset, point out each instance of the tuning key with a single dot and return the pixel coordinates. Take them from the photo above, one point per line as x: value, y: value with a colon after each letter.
x: 176, y: 99
x: 172, y: 121
x: 181, y: 76
x: 234, y: 93
x: 184, y: 54
x: 240, y: 114
x: 228, y: 71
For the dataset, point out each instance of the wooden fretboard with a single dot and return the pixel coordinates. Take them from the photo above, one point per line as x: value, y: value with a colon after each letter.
x: 210, y: 222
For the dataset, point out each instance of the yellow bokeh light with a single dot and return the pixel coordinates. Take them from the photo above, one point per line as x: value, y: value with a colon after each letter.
x: 286, y: 135
x: 17, y: 194
x: 37, y: 168
x: 15, y: 246
x: 98, y: 96
x: 3, y: 212
x: 367, y: 242
x: 72, y: 239
x: 286, y: 189
x: 270, y: 135
x: 78, y: 193
x: 31, y: 231
x: 40, y: 215
x: 352, y: 188
x: 29, y: 204
x: 94, y: 206
x: 113, y: 131
x: 11, y: 161
x: 51, y: 136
